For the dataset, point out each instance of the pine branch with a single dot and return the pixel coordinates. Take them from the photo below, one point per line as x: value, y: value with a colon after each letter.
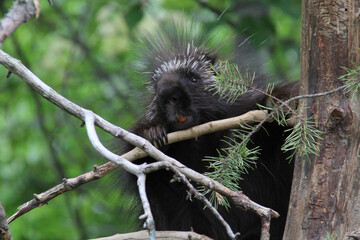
x: 303, y: 140
x: 230, y: 82
x: 352, y: 81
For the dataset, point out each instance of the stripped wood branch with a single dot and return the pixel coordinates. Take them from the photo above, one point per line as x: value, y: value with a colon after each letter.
x: 101, y: 171
x: 160, y: 235
x: 137, y: 170
x: 238, y: 198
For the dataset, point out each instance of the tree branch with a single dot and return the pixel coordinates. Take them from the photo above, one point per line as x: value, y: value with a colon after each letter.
x: 20, y: 12
x: 160, y: 235
x: 101, y: 171
x: 237, y: 198
x: 207, y: 203
x: 138, y: 171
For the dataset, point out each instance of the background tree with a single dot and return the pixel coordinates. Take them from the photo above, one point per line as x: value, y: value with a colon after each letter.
x: 83, y: 48
x: 325, y: 196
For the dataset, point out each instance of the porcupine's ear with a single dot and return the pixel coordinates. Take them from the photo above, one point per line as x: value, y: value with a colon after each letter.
x: 212, y: 57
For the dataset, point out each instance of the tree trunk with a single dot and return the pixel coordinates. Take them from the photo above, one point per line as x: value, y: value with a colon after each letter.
x: 325, y: 199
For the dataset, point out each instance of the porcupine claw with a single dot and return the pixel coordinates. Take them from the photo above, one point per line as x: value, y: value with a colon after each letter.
x: 156, y: 135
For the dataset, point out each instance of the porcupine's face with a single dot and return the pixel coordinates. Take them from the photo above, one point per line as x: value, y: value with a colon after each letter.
x: 180, y: 89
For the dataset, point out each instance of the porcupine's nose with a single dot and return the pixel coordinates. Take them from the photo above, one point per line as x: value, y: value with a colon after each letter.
x: 174, y: 95
x: 173, y: 99
x: 171, y: 91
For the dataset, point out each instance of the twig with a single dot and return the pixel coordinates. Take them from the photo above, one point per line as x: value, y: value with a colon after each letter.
x: 207, y: 203
x: 138, y: 171
x: 20, y: 12
x: 149, y: 222
x: 317, y: 94
x: 265, y: 228
x: 284, y: 104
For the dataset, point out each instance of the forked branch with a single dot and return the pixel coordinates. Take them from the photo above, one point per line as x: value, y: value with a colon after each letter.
x: 238, y: 198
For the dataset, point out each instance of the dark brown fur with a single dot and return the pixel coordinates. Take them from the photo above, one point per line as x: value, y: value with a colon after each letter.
x: 179, y: 92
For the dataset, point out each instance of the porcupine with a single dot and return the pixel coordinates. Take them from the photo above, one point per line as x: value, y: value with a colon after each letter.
x: 181, y: 68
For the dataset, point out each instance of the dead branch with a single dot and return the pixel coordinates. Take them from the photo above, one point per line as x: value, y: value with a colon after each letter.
x: 20, y: 12
x: 238, y: 198
x: 160, y: 235
x: 139, y: 171
x: 207, y: 203
x: 101, y: 171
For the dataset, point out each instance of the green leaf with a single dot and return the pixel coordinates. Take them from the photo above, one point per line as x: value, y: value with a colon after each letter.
x: 134, y: 15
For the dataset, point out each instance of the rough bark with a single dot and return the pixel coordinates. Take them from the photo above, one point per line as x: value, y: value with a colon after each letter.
x: 4, y: 227
x: 325, y: 196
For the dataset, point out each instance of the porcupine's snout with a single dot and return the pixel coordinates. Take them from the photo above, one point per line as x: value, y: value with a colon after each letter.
x: 176, y: 103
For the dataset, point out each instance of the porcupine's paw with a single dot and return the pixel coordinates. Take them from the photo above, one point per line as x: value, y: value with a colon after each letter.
x: 156, y: 135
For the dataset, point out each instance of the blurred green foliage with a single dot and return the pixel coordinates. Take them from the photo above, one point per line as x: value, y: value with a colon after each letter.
x: 85, y: 51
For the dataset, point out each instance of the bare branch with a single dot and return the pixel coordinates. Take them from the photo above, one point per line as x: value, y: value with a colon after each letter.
x: 98, y: 172
x: 20, y: 12
x: 149, y: 223
x: 265, y: 228
x: 128, y: 166
x: 238, y: 198
x: 207, y: 203
x: 160, y: 235
x: 101, y: 171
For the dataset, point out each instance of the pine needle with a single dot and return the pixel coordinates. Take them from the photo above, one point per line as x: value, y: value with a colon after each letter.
x: 230, y: 83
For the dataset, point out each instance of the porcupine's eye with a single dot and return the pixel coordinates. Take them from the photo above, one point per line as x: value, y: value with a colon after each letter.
x: 193, y: 78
